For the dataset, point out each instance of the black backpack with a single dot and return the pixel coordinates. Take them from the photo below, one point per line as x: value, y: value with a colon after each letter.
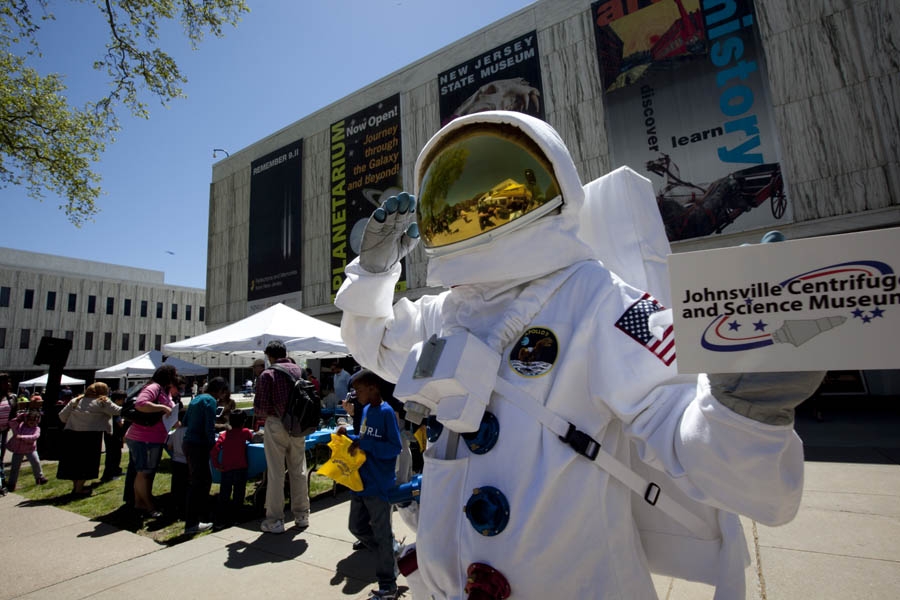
x: 303, y: 410
x: 131, y: 414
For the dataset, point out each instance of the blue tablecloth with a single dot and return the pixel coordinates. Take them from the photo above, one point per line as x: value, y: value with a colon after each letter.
x: 256, y: 455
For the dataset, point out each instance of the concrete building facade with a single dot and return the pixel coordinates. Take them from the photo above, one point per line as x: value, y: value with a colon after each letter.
x: 831, y: 72
x: 111, y: 313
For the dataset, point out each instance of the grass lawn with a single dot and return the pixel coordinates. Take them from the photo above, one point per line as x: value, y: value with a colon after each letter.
x: 105, y: 504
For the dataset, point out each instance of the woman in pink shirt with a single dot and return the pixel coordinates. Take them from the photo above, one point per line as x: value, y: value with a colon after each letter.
x: 146, y: 442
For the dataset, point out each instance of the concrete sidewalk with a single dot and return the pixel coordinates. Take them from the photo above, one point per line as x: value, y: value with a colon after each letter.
x: 844, y: 543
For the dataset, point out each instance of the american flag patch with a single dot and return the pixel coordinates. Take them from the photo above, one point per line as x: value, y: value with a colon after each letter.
x: 634, y: 322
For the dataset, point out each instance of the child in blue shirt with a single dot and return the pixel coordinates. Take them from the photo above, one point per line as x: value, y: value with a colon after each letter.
x: 370, y: 510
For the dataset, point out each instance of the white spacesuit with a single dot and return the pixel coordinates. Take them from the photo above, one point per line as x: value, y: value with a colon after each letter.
x: 572, y: 338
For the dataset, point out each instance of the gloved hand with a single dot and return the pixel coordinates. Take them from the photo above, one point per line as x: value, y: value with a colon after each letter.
x: 765, y: 397
x: 390, y: 234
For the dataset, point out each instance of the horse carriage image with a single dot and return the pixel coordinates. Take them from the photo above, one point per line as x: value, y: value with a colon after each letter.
x: 689, y: 210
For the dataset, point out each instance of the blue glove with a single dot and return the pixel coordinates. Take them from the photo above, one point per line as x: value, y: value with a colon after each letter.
x: 765, y: 397
x: 390, y: 234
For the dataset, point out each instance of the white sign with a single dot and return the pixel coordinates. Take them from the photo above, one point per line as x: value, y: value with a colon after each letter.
x: 827, y: 303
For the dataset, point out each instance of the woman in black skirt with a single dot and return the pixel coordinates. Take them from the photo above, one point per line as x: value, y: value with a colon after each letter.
x: 87, y: 418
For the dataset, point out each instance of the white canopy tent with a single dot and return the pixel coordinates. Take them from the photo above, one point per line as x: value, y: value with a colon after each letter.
x: 145, y: 364
x: 42, y: 381
x: 303, y: 335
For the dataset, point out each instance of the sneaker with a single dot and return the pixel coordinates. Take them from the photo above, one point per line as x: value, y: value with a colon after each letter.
x: 384, y: 594
x: 302, y: 522
x: 197, y: 528
x: 42, y: 480
x: 272, y: 526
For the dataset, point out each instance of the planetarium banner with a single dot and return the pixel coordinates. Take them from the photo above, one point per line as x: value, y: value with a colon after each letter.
x: 273, y: 266
x: 688, y: 107
x: 365, y: 171
x: 507, y: 77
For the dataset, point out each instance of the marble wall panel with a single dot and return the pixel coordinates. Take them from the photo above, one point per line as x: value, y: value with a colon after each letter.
x: 812, y: 59
x: 879, y: 26
x: 778, y: 16
x: 575, y: 29
x: 570, y: 75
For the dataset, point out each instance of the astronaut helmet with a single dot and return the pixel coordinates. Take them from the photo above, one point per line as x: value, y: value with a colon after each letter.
x: 482, y: 177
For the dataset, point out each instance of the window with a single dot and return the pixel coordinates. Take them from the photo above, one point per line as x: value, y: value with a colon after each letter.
x: 107, y: 341
x: 70, y: 335
x: 110, y: 305
x: 187, y: 312
x: 51, y: 300
x: 4, y: 296
x: 73, y: 299
x: 143, y: 308
x: 157, y: 342
x: 202, y: 313
x: 92, y: 304
x: 125, y: 340
x: 171, y: 339
x: 174, y: 311
x: 142, y: 342
x: 159, y: 310
x: 127, y: 307
x: 2, y: 337
x: 25, y: 339
x: 89, y: 340
x: 29, y: 298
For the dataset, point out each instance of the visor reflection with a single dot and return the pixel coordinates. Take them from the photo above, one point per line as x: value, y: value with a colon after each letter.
x: 480, y: 182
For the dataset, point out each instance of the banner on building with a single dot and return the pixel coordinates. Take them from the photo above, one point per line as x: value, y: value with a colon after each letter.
x: 687, y: 106
x: 507, y: 77
x: 273, y: 266
x: 365, y: 171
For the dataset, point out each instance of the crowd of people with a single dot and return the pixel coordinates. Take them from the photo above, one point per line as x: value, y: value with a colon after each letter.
x: 209, y: 430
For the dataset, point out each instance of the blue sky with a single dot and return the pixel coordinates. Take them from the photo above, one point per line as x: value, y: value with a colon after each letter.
x: 285, y: 60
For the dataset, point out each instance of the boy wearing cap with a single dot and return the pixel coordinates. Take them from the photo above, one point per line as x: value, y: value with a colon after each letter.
x: 370, y: 510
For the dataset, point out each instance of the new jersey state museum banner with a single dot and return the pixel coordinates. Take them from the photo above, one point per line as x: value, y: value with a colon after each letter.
x: 273, y: 266
x: 365, y: 171
x: 688, y: 107
x: 507, y: 77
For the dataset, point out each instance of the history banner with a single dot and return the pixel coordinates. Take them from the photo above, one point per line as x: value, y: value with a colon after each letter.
x: 273, y: 266
x: 365, y: 171
x: 507, y: 77
x: 816, y: 304
x: 688, y: 107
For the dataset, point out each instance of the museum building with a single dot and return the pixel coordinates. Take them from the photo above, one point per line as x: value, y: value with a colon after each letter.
x: 746, y: 116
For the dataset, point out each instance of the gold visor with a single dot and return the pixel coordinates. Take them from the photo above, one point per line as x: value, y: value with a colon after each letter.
x: 479, y: 180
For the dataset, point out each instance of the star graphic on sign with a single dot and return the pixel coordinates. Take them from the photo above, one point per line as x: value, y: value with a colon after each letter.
x: 866, y: 319
x: 748, y: 301
x: 759, y: 326
x: 857, y: 313
x: 734, y: 325
x: 877, y: 312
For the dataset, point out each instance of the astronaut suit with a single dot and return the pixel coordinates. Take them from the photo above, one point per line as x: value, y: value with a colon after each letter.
x: 572, y: 337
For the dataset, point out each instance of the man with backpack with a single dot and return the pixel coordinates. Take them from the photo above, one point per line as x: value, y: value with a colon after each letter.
x: 273, y: 391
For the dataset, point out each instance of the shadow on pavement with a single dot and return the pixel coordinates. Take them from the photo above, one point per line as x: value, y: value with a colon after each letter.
x: 264, y: 550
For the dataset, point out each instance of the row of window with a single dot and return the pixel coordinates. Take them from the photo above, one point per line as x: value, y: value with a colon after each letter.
x: 92, y: 304
x: 25, y: 340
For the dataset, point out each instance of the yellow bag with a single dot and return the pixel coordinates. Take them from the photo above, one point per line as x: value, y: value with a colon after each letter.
x: 343, y: 467
x: 421, y: 435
